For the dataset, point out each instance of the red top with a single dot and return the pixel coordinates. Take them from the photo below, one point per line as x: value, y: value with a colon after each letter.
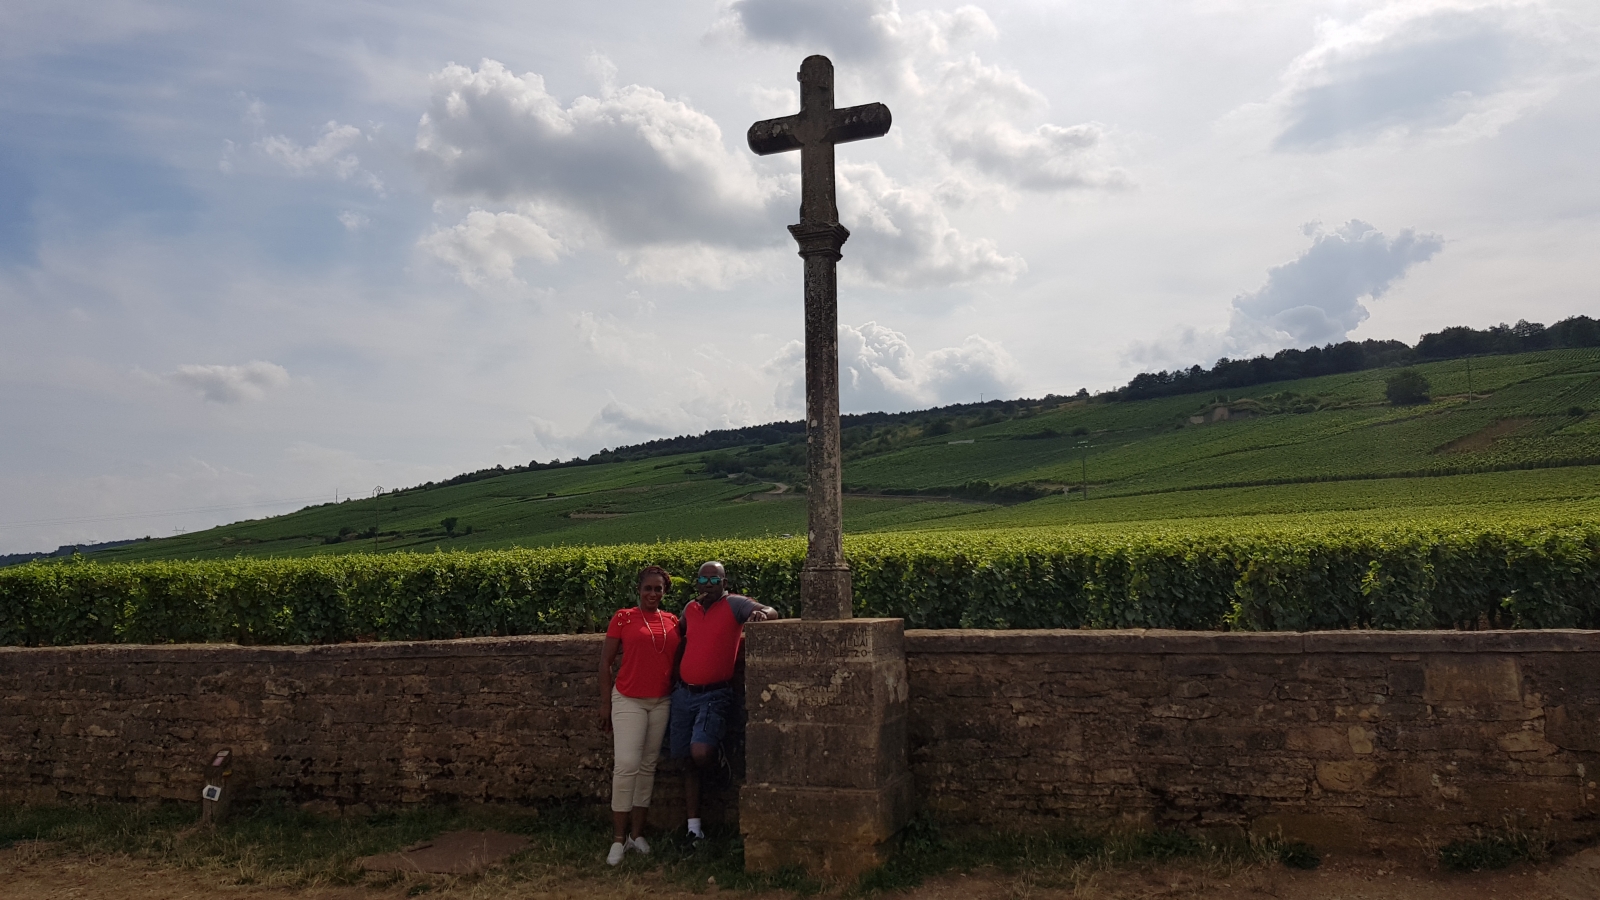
x: 649, y: 641
x: 714, y: 636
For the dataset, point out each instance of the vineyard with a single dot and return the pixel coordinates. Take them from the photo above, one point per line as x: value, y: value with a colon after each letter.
x: 1506, y: 429
x: 1285, y: 572
x: 1312, y: 504
x: 1523, y: 412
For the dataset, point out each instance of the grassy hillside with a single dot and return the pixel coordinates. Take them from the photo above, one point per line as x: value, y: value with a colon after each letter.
x: 1523, y: 437
x: 1329, y: 428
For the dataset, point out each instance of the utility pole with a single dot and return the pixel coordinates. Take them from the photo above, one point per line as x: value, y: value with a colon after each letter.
x: 1084, y: 446
x: 377, y: 512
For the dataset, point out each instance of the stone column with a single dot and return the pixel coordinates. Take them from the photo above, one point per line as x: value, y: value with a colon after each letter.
x: 827, y: 785
x: 825, y: 577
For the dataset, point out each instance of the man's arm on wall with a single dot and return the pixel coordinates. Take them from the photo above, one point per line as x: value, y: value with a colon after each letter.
x: 747, y: 610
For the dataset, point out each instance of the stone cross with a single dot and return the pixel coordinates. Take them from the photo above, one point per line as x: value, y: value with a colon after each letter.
x: 825, y: 578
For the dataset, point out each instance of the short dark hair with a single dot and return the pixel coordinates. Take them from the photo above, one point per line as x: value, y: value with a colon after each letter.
x: 647, y: 571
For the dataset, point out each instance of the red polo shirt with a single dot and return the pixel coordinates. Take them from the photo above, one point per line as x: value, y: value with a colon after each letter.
x: 713, y: 635
x: 649, y: 641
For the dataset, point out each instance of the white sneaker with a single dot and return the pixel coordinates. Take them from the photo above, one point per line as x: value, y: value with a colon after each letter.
x: 639, y: 844
x: 615, y: 856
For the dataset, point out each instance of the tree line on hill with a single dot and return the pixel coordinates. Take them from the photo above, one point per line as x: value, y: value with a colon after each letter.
x: 1355, y: 356
x: 785, y: 441
x: 877, y: 432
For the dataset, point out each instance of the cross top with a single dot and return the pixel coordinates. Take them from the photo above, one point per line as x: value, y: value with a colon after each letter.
x: 814, y: 131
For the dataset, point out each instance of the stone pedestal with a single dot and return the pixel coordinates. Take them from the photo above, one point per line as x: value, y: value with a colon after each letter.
x: 827, y: 785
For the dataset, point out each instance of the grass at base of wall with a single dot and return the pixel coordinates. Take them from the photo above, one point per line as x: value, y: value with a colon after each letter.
x: 1067, y: 857
x: 285, y: 847
x: 1494, y: 850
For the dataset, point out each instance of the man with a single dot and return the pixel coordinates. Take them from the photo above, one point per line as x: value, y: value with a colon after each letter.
x: 712, y: 628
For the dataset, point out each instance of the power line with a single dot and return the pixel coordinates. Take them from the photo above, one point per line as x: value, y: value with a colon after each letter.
x: 150, y: 515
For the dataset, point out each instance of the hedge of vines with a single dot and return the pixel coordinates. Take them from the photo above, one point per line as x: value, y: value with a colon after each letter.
x: 1359, y: 577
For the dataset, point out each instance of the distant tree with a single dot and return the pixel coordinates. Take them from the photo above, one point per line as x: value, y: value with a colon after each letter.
x: 1578, y: 331
x: 1406, y: 387
x: 449, y: 525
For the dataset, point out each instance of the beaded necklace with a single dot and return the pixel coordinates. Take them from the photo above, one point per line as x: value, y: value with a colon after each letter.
x: 662, y: 647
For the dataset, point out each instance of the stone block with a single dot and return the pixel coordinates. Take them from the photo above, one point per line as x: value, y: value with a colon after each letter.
x: 827, y: 765
x: 848, y: 831
x: 825, y: 815
x: 1574, y: 727
x: 1345, y: 776
x: 826, y: 755
x: 1472, y: 679
x: 838, y: 862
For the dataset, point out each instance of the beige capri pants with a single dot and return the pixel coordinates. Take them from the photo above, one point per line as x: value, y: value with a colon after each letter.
x: 638, y: 725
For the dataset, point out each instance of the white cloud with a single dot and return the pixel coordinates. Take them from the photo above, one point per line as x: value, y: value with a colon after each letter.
x: 853, y: 29
x: 973, y: 104
x: 879, y: 371
x: 488, y: 245
x: 642, y: 167
x: 1312, y: 300
x: 652, y: 177
x: 353, y: 221
x: 974, y: 127
x: 329, y: 153
x: 1317, y: 297
x: 902, y: 237
x: 231, y: 384
x: 1454, y: 69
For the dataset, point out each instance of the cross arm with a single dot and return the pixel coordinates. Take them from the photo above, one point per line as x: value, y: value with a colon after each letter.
x: 855, y: 123
x: 771, y: 136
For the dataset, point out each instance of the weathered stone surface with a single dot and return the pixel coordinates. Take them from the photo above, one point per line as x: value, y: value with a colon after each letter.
x: 839, y: 862
x: 853, y: 816
x: 837, y: 756
x: 1383, y: 735
x: 482, y: 720
x: 1373, y: 735
x: 1574, y: 728
x: 828, y: 784
x: 825, y: 592
x: 1472, y: 679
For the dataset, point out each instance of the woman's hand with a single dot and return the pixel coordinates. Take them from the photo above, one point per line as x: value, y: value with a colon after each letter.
x: 605, y: 716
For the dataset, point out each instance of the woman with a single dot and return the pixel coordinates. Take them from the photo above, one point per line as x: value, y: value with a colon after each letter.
x: 635, y: 709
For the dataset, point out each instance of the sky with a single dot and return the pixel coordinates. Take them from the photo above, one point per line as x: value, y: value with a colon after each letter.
x: 260, y: 255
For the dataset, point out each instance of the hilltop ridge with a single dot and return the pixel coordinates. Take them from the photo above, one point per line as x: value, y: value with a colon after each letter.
x: 1457, y: 342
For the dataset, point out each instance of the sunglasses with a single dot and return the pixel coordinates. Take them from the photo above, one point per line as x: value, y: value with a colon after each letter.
x: 709, y: 579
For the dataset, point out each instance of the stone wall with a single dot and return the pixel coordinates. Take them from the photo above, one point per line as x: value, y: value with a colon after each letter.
x: 1343, y: 738
x: 352, y: 726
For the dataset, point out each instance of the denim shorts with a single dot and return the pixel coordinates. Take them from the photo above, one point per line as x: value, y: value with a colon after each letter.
x: 697, y: 719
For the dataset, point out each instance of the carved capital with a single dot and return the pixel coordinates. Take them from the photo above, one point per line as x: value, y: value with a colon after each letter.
x: 820, y: 240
